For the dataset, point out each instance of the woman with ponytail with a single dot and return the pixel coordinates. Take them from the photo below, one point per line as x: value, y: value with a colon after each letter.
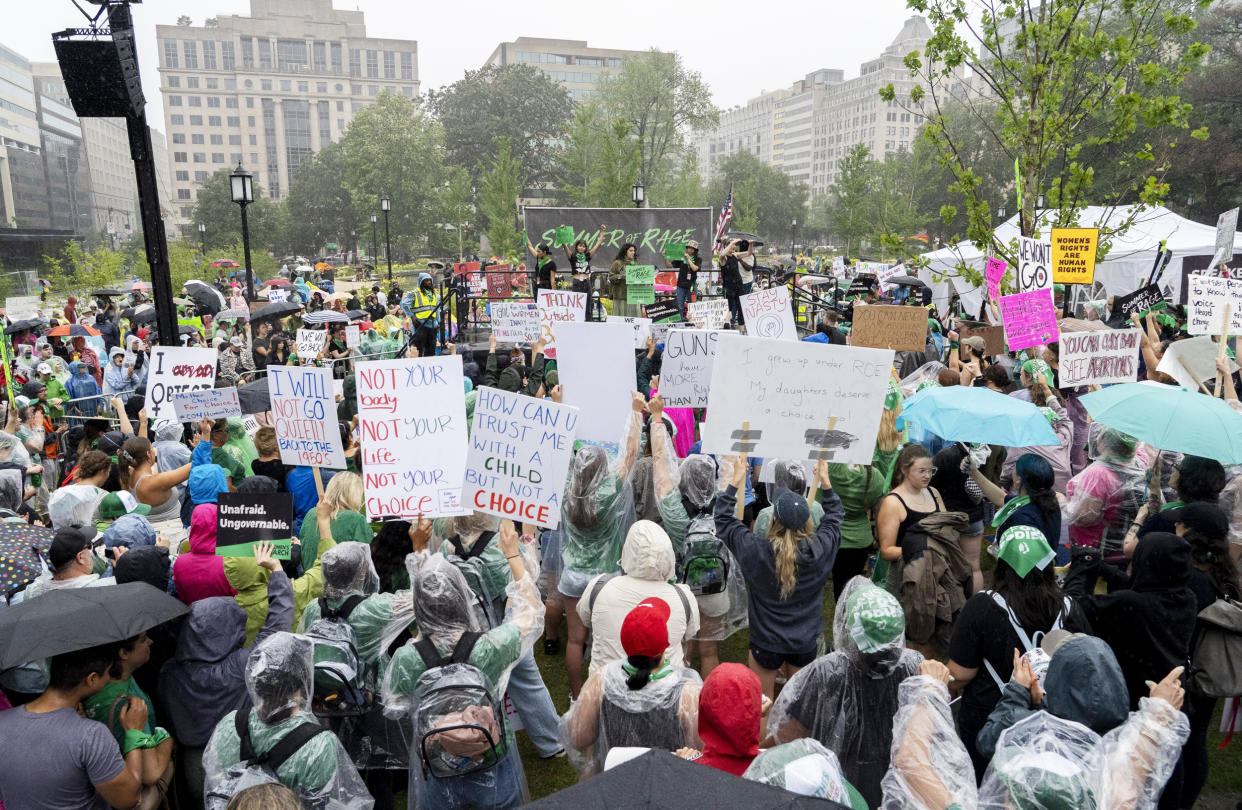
x: 640, y: 701
x: 1033, y: 502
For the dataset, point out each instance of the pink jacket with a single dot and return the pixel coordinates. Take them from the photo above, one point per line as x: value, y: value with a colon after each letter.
x: 199, y: 573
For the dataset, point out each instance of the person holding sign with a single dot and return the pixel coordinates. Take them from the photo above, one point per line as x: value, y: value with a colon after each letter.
x: 545, y: 266
x: 616, y: 280
x: 580, y: 264
x: 731, y: 275
x: 687, y: 274
x: 136, y: 465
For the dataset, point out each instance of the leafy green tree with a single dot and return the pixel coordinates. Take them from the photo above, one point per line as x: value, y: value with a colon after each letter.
x: 599, y: 162
x: 765, y: 200
x: 216, y: 210
x: 77, y: 271
x: 458, y: 209
x: 851, y: 197
x: 498, y: 195
x: 320, y: 207
x: 685, y: 188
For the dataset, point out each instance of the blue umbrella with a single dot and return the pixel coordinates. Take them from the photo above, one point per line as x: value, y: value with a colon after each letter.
x: 1170, y: 417
x: 962, y: 414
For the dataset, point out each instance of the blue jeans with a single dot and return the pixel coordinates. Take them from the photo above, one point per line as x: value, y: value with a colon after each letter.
x: 498, y: 787
x: 534, y: 705
x: 683, y: 298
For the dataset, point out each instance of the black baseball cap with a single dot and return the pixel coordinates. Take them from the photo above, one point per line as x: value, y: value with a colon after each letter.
x: 1206, y: 518
x: 67, y: 543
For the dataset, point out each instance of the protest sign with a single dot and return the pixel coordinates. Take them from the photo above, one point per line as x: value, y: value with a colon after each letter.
x: 660, y: 331
x: 993, y: 336
x: 1099, y: 358
x: 515, y: 321
x: 1030, y: 319
x: 338, y: 389
x: 769, y: 314
x: 499, y: 284
x: 862, y: 284
x: 994, y: 271
x: 1226, y: 227
x: 641, y: 327
x: 175, y: 369
x: 1191, y: 361
x: 838, y: 266
x: 21, y: 307
x: 640, y: 274
x: 710, y: 313
x: 1034, y: 265
x: 304, y: 415
x: 648, y: 229
x: 250, y: 425
x: 563, y: 236
x: 675, y: 251
x: 476, y: 284
x: 884, y: 272
x: 1139, y: 301
x: 796, y: 400
x: 246, y: 518
x: 890, y: 327
x: 277, y: 296
x: 412, y: 425
x: 662, y: 310
x: 639, y: 294
x: 558, y: 307
x: 686, y: 367
x: 596, y: 366
x: 1073, y: 255
x: 1206, y: 302
x: 352, y: 338
x: 206, y: 403
x: 519, y: 456
x: 310, y: 343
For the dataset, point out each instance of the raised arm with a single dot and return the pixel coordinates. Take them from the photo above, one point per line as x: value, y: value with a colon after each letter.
x: 121, y: 417
x: 662, y: 468
x: 633, y: 432
x: 599, y: 239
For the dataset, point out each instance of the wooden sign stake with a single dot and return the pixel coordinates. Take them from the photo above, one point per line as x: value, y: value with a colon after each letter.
x: 741, y: 496
x: 832, y: 425
x: 1220, y: 353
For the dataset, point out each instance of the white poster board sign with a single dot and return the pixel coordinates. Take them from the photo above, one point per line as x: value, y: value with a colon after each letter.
x: 515, y: 321
x: 175, y: 369
x: 781, y: 399
x: 1099, y: 358
x: 769, y: 314
x: 884, y: 273
x: 311, y: 343
x: 519, y: 456
x: 709, y: 313
x: 557, y: 307
x: 597, y: 373
x: 277, y: 295
x: 412, y: 425
x: 206, y: 403
x: 352, y: 336
x: 251, y: 425
x: 686, y: 367
x: 1034, y: 264
x: 21, y: 307
x: 1192, y: 361
x: 1206, y: 298
x: 641, y: 327
x: 1226, y: 227
x: 304, y: 415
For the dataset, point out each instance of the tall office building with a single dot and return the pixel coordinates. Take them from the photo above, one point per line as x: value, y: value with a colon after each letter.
x: 269, y: 90
x: 23, y: 193
x: 571, y: 62
x: 748, y: 128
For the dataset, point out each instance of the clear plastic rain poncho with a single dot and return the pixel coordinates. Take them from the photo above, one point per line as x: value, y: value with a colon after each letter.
x: 930, y: 768
x: 1103, y: 499
x: 663, y: 714
x: 845, y: 699
x: 1043, y: 762
x: 924, y: 376
x: 488, y: 573
x: 279, y: 681
x: 807, y: 768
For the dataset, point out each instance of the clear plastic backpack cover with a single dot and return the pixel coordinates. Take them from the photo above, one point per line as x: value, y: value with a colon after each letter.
x: 1043, y: 762
x: 930, y: 769
x: 459, y: 725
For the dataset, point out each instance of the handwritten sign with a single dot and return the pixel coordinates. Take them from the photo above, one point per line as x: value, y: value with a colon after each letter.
x: 558, y: 307
x: 412, y: 424
x: 1205, y: 305
x: 352, y: 336
x: 994, y: 271
x: 515, y: 322
x: 884, y: 272
x: 640, y: 274
x: 1140, y: 301
x: 206, y: 403
x: 801, y: 400
x: 277, y: 296
x: 304, y: 415
x: 519, y: 456
x: 1030, y: 319
x: 710, y: 313
x: 1073, y: 255
x: 686, y: 370
x: 1226, y: 227
x: 890, y: 327
x: 21, y: 307
x: 1099, y: 358
x: 311, y: 343
x: 641, y: 327
x: 175, y: 369
x: 243, y: 519
x: 769, y: 314
x: 1192, y: 360
x: 1034, y: 265
x: 597, y: 374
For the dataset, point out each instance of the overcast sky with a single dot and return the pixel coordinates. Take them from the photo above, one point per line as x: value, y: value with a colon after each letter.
x: 740, y: 48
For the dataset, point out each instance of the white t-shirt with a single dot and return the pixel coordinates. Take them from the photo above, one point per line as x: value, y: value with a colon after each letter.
x: 618, y: 597
x: 745, y: 268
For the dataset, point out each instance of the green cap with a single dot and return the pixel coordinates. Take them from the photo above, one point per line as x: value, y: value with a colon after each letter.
x: 1037, y: 367
x: 1043, y: 780
x: 874, y: 619
x: 115, y: 504
x: 1024, y: 548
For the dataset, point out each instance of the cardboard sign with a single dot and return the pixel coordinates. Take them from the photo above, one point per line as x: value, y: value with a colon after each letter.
x: 1034, y: 265
x: 246, y: 518
x: 21, y: 307
x: 994, y: 271
x: 798, y: 400
x: 1073, y: 255
x: 1226, y: 227
x: 641, y: 327
x: 662, y: 311
x: 597, y: 373
x: 1191, y: 361
x: 993, y: 336
x: 277, y: 295
x: 515, y: 321
x: 639, y: 294
x: 1205, y: 305
x: 710, y: 313
x: 519, y: 456
x: 558, y: 307
x: 1140, y: 301
x: 250, y: 425
x: 643, y: 274
x: 412, y: 424
x: 769, y: 314
x: 206, y: 403
x: 352, y: 336
x: 310, y: 343
x: 890, y: 327
x: 838, y: 266
x: 304, y: 415
x: 1030, y: 319
x: 1099, y: 358
x: 686, y: 368
x: 175, y: 369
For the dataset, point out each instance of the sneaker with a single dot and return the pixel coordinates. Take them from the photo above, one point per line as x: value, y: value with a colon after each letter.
x: 552, y: 646
x: 560, y: 752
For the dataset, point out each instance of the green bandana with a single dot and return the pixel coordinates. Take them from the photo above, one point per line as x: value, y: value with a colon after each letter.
x: 656, y: 674
x: 1051, y: 415
x: 1008, y: 509
x: 893, y: 398
x: 874, y: 619
x: 1039, y: 368
x: 1024, y: 548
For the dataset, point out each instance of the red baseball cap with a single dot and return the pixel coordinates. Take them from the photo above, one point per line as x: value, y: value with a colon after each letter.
x: 645, y: 629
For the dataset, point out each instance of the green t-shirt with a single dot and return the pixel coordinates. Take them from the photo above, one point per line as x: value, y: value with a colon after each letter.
x: 99, y: 706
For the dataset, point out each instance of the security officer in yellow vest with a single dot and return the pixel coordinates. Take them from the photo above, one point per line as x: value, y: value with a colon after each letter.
x: 421, y: 305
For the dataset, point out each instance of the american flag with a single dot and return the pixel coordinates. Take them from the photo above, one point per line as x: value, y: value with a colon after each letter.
x: 726, y: 216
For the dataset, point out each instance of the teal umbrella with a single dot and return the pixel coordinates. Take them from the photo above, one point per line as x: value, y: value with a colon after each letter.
x: 961, y: 414
x: 1170, y: 417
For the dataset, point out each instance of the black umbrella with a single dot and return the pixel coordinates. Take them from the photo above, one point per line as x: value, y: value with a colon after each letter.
x: 107, y: 292
x: 186, y: 329
x: 325, y: 316
x: 253, y: 397
x: 907, y: 281
x: 278, y: 310
x: 206, y: 297
x: 356, y: 315
x: 76, y: 618
x: 749, y: 237
x: 22, y: 326
x: 658, y: 779
x: 143, y: 313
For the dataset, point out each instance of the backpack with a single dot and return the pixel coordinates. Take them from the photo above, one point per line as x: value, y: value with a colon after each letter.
x: 705, y: 559
x: 1028, y: 642
x: 1216, y: 650
x: 459, y: 725
x: 488, y: 607
x: 340, y: 675
x: 603, y: 580
x: 257, y: 769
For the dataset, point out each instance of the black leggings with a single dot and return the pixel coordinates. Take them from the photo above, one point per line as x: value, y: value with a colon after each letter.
x: 849, y: 563
x: 1194, y: 753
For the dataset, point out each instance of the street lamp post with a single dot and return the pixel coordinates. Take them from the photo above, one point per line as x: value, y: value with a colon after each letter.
x: 793, y: 238
x: 374, y: 249
x: 202, y: 239
x: 242, y: 186
x: 385, y: 205
x: 639, y: 193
